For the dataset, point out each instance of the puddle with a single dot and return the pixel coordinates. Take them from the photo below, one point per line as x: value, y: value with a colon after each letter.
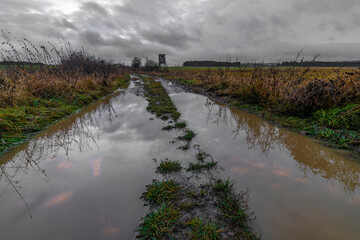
x: 82, y: 178
x: 299, y: 189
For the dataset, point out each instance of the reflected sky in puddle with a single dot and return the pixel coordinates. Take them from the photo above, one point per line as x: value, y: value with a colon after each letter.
x: 59, y: 199
x: 82, y: 178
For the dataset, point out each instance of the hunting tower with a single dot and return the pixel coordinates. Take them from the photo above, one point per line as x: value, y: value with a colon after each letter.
x: 162, y: 60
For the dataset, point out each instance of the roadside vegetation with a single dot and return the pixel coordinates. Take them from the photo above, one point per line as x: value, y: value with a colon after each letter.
x: 322, y: 102
x: 39, y: 86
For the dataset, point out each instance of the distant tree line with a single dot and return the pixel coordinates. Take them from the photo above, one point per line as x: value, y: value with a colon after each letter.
x: 283, y: 64
x: 321, y: 64
x: 10, y: 63
x: 210, y: 64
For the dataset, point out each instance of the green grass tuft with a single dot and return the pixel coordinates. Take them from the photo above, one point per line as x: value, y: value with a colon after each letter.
x: 158, y: 224
x: 197, y: 167
x: 233, y: 208
x: 202, y: 230
x: 168, y: 166
x: 188, y: 136
x: 221, y: 187
x: 181, y: 124
x: 160, y: 192
x: 168, y: 128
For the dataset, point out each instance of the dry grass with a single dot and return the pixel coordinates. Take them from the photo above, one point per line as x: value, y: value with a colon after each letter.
x: 297, y: 91
x: 40, y: 86
x: 18, y: 85
x: 322, y: 102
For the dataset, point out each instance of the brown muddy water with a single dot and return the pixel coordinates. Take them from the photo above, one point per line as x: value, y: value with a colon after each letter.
x: 82, y: 178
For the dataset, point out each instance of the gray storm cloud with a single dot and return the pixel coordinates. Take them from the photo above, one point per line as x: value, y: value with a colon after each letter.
x: 251, y: 30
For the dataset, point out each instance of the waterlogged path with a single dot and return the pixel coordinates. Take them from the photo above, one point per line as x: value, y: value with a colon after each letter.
x: 82, y: 178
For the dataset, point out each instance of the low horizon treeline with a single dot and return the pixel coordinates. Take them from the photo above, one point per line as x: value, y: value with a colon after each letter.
x: 211, y: 64
x: 355, y: 63
x: 314, y: 63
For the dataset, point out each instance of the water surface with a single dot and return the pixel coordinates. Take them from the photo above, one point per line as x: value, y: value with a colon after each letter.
x: 82, y: 178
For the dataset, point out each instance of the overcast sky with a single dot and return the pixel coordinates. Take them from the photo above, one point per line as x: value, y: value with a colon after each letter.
x: 251, y: 30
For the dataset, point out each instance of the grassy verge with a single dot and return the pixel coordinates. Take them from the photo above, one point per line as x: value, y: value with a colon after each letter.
x: 323, y: 103
x: 18, y: 122
x: 337, y: 126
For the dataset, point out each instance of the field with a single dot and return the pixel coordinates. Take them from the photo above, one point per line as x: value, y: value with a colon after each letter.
x: 322, y: 102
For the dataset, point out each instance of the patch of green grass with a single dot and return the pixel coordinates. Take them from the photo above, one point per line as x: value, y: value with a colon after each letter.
x: 202, y: 230
x: 160, y: 192
x: 340, y: 117
x: 314, y: 126
x: 168, y: 127
x: 188, y: 136
x: 169, y: 166
x: 160, y: 103
x: 233, y: 207
x: 16, y: 123
x: 34, y: 114
x: 197, y: 167
x: 221, y: 187
x: 159, y: 224
x: 123, y: 82
x: 339, y: 126
x: 181, y: 124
